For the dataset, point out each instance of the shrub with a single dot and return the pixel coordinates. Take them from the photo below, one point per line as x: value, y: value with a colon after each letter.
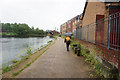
x: 14, y: 61
x: 49, y: 41
x: 6, y: 69
x: 29, y: 51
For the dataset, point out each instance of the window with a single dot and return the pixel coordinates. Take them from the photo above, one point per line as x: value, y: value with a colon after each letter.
x: 69, y: 26
x: 69, y: 29
x: 78, y: 19
x: 73, y: 23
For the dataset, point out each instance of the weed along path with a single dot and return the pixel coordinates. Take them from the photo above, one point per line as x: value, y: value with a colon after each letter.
x: 56, y: 62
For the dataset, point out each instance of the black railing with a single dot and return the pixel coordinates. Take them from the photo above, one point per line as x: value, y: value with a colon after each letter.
x: 105, y: 32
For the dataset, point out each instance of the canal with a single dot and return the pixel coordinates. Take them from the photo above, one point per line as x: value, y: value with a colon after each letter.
x: 14, y: 48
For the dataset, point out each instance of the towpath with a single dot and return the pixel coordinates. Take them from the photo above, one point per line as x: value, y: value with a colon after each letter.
x: 56, y: 62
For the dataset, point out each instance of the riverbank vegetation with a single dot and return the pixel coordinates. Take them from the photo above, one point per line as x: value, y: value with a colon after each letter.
x: 20, y: 30
x: 90, y: 58
x: 12, y: 71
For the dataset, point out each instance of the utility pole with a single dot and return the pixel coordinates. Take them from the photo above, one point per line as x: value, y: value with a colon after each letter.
x: 55, y: 31
x: 0, y: 27
x: 55, y: 28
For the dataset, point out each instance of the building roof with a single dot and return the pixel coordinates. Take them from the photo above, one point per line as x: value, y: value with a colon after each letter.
x: 105, y: 1
x: 84, y: 9
x: 111, y: 0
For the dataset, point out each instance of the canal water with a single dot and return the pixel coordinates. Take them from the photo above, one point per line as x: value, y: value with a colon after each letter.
x: 13, y: 48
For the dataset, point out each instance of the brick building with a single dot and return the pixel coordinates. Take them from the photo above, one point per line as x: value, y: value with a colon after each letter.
x: 100, y: 25
x: 69, y: 26
x: 75, y: 21
x: 79, y: 27
x: 91, y: 9
x: 63, y: 28
x: 55, y: 32
x: 94, y: 18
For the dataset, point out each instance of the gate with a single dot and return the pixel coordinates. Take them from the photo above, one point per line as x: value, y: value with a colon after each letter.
x: 99, y: 29
x: 114, y: 32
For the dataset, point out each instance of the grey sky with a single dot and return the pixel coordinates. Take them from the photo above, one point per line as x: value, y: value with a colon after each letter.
x: 44, y: 14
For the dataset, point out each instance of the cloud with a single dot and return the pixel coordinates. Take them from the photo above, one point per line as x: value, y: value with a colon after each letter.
x: 45, y: 14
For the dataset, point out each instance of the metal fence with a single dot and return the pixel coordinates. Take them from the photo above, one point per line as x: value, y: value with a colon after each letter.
x: 105, y: 32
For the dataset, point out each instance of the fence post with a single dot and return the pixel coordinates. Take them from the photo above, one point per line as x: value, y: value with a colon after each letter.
x: 87, y: 32
x: 81, y: 33
x: 109, y: 30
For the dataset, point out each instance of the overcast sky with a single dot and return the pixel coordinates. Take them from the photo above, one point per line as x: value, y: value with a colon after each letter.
x: 44, y: 14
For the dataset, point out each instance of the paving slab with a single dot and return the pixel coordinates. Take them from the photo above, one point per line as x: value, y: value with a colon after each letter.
x: 56, y: 62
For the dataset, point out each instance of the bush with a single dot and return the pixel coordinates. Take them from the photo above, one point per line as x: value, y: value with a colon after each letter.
x: 14, y: 61
x: 29, y: 51
x: 49, y: 41
x: 8, y: 34
x: 90, y: 57
x: 6, y: 69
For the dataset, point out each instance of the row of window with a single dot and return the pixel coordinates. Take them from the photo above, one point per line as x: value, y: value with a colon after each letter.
x: 77, y: 19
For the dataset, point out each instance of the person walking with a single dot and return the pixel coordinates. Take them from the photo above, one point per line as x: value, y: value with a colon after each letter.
x: 67, y: 41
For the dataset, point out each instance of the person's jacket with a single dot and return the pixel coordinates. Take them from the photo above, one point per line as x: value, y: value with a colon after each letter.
x: 67, y: 42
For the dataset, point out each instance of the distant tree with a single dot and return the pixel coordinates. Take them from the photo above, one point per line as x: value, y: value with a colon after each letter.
x: 32, y: 31
x: 6, y: 27
x: 37, y: 30
x: 15, y: 28
x: 21, y: 29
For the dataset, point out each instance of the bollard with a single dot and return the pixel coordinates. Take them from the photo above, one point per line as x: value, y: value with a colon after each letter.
x: 75, y: 48
x: 78, y: 51
x: 74, y: 45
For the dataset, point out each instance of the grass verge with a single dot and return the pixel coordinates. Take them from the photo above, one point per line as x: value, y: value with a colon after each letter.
x: 16, y: 73
x: 90, y: 57
x: 22, y: 61
x: 27, y: 65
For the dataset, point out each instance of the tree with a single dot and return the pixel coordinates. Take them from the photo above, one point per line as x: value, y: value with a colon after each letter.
x: 21, y: 29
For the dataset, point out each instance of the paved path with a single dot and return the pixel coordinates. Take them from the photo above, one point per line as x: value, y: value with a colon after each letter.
x: 56, y: 62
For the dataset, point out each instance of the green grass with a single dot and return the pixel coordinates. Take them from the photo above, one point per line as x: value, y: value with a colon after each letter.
x: 49, y: 41
x: 16, y: 73
x: 28, y: 64
x: 89, y: 57
x: 41, y: 46
x: 14, y: 61
x: 62, y: 36
x: 91, y: 75
x: 27, y: 35
x: 8, y: 34
x: 6, y: 69
x: 74, y: 42
x: 36, y: 35
x: 29, y: 51
x: 55, y: 37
